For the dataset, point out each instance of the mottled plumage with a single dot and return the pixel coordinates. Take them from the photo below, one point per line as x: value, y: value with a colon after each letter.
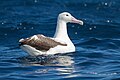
x: 41, y: 42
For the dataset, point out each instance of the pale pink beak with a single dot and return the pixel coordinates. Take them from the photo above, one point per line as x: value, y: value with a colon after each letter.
x: 74, y: 20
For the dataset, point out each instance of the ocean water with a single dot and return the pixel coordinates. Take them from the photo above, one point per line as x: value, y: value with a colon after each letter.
x: 97, y: 55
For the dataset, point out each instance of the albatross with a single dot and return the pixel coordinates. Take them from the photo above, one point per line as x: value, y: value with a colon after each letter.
x: 60, y: 43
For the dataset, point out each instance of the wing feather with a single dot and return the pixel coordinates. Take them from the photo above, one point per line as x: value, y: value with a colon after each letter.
x: 41, y: 42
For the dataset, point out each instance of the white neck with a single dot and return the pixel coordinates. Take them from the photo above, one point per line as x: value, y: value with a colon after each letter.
x: 61, y: 30
x: 61, y: 34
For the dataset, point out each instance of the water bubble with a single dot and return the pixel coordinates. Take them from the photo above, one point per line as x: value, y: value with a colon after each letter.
x: 32, y: 27
x: 5, y: 34
x: 2, y: 23
x: 20, y: 24
x: 24, y: 27
x: 17, y: 28
x: 94, y: 26
x: 114, y: 73
x: 35, y: 1
x: 85, y: 5
x: 90, y: 28
x: 76, y: 33
x: 106, y: 4
x: 108, y: 21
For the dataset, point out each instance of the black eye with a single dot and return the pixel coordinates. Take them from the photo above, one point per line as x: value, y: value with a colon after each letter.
x: 67, y: 15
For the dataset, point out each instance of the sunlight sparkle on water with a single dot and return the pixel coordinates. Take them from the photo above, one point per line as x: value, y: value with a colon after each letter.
x: 108, y: 21
x: 106, y: 4
x: 76, y: 33
x: 5, y: 34
x: 35, y: 1
x: 20, y: 24
x: 90, y: 28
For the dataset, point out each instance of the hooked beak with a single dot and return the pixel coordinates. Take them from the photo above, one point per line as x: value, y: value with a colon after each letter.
x: 74, y: 20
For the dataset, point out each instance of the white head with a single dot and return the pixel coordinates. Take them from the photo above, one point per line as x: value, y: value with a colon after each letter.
x: 67, y: 17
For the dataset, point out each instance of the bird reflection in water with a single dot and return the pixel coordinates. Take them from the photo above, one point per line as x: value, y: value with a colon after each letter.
x: 64, y: 64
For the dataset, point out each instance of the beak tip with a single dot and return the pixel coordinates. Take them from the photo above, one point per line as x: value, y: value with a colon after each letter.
x: 81, y: 23
x: 74, y: 20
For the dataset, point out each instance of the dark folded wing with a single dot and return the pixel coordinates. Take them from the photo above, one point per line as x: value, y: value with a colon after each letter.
x: 41, y: 43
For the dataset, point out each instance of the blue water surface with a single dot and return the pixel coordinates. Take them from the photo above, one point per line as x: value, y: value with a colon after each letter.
x: 97, y: 55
